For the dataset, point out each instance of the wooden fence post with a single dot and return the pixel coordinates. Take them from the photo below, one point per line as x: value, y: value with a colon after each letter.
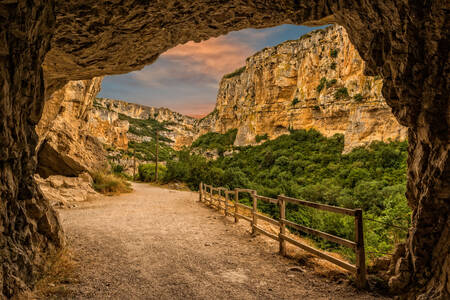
x: 282, y: 205
x: 361, y: 281
x: 254, y: 211
x: 236, y: 201
x: 200, y: 196
x: 226, y: 203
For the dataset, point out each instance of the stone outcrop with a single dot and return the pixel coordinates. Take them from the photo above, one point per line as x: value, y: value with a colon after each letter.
x: 66, y: 145
x: 45, y: 43
x: 63, y: 191
x: 278, y: 91
x: 106, y: 125
x: 181, y: 126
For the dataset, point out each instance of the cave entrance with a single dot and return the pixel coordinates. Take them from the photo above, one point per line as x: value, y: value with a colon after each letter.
x: 48, y: 44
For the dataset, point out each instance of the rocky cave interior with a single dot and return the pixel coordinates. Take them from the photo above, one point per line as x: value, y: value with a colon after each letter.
x: 46, y: 43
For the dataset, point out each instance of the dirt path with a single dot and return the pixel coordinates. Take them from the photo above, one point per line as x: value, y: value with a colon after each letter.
x: 161, y: 244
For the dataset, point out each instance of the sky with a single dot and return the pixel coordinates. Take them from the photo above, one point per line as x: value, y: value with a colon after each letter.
x: 186, y: 78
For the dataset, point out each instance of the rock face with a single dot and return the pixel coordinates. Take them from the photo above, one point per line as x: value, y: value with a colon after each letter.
x: 46, y: 43
x: 182, y: 128
x: 65, y: 191
x: 66, y: 145
x: 279, y: 89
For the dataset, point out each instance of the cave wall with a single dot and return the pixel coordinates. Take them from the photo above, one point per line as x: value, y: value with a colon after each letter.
x: 406, y: 42
x: 29, y: 227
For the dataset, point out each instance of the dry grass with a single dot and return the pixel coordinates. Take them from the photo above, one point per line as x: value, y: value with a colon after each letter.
x: 110, y: 184
x: 59, y: 274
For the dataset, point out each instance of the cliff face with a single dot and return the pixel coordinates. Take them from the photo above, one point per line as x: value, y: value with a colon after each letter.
x: 182, y: 127
x: 316, y: 82
x: 66, y: 145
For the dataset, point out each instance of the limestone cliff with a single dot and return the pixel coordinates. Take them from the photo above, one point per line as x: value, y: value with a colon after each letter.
x: 66, y: 146
x: 316, y: 82
x: 182, y: 127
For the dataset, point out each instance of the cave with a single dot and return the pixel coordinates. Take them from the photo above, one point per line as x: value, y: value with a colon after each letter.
x: 46, y: 43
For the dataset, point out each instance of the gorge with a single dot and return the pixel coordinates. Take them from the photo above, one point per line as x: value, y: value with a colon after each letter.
x: 48, y: 43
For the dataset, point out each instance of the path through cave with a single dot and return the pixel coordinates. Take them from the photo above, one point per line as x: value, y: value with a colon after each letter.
x: 47, y: 43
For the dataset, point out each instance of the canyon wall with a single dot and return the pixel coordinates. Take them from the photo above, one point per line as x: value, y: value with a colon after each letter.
x: 181, y: 126
x: 66, y: 145
x: 316, y: 82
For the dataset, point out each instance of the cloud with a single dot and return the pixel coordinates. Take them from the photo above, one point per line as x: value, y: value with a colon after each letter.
x: 204, y: 62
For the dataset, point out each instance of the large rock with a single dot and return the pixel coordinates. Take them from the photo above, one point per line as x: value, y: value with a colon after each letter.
x: 405, y: 42
x: 277, y: 91
x: 65, y: 191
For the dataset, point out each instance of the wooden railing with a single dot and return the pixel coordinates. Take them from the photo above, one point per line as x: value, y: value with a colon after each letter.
x: 212, y: 196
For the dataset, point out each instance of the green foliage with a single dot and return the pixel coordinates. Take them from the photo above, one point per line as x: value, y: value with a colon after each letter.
x: 333, y: 66
x: 147, y: 150
x: 261, y: 137
x: 307, y: 165
x: 341, y: 93
x: 116, y: 168
x: 295, y: 101
x: 358, y: 98
x: 214, y: 140
x: 110, y: 184
x: 235, y: 73
x: 146, y: 172
x: 316, y: 107
x: 331, y: 82
x: 323, y: 82
x: 334, y: 53
x: 148, y: 127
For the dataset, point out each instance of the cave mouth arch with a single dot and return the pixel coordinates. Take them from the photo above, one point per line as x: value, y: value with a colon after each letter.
x: 51, y: 42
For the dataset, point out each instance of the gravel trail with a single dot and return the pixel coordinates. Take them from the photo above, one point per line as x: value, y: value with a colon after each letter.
x: 157, y: 243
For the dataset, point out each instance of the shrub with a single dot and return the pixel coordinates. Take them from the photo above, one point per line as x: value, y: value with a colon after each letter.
x: 262, y: 137
x: 341, y: 93
x: 358, y: 98
x: 334, y: 53
x: 295, y: 101
x: 331, y: 82
x: 323, y: 82
x: 214, y: 140
x: 116, y: 168
x: 146, y: 172
x: 235, y: 73
x: 333, y: 66
x: 316, y: 107
x: 110, y: 184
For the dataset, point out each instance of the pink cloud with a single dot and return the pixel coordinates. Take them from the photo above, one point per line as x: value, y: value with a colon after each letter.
x: 203, y: 62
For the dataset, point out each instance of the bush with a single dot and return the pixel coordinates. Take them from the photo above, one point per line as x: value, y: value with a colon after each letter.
x: 331, y: 82
x: 358, y: 98
x: 334, y: 53
x: 116, y: 168
x: 295, y: 101
x: 214, y: 140
x: 235, y: 73
x: 333, y: 66
x: 110, y: 184
x: 323, y: 82
x: 341, y: 93
x: 262, y: 137
x: 146, y: 172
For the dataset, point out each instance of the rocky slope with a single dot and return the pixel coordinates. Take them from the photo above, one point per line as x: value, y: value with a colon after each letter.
x: 316, y: 82
x: 182, y: 127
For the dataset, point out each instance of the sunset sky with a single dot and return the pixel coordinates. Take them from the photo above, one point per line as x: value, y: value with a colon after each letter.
x: 185, y: 78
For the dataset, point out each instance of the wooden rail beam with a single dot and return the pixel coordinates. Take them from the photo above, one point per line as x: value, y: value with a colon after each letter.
x: 321, y: 234
x: 335, y: 209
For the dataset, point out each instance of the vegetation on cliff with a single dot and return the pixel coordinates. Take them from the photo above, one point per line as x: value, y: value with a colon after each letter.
x: 307, y: 165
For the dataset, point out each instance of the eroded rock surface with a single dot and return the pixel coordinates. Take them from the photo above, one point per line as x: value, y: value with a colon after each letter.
x: 405, y: 42
x: 181, y: 126
x: 296, y: 85
x: 63, y: 191
x: 67, y: 147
